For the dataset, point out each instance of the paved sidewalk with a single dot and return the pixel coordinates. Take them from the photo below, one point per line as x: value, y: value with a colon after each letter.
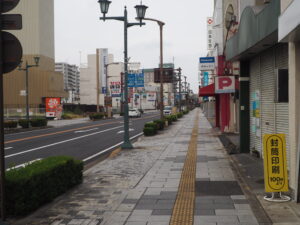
x: 140, y: 187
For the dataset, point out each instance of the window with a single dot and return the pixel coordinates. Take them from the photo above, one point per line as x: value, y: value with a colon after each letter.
x: 282, y: 85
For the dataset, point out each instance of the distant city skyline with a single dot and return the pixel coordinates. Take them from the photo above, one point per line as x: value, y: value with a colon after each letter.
x: 78, y: 32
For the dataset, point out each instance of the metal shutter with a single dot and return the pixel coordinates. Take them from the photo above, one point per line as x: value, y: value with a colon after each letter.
x: 255, y: 141
x: 282, y: 109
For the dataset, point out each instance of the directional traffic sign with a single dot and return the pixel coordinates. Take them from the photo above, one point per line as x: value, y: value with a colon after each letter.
x: 8, y: 5
x: 12, y: 52
x: 11, y: 22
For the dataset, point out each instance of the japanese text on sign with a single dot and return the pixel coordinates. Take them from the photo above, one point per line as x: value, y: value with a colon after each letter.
x: 275, y: 167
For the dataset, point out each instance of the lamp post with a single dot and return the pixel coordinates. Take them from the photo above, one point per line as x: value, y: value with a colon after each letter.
x: 141, y: 11
x: 26, y: 69
x: 161, y: 25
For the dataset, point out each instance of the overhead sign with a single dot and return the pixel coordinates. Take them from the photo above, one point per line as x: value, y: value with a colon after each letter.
x: 12, y: 52
x: 136, y: 80
x: 7, y: 5
x: 224, y: 84
x: 168, y: 74
x: 275, y: 165
x: 11, y: 22
x: 207, y: 63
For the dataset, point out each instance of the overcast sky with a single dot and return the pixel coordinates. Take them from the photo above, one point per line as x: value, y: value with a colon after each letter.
x: 78, y: 29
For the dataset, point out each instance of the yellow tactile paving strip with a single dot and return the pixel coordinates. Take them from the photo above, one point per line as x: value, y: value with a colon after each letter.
x: 183, y: 211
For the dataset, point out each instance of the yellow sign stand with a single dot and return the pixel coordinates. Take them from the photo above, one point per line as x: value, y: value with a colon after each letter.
x: 275, y: 167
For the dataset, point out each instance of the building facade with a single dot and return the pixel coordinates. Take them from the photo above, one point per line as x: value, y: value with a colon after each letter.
x: 37, y: 39
x: 71, y: 76
x: 93, y: 78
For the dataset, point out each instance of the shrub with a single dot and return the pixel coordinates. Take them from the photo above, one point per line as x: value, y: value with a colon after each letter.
x: 40, y: 182
x: 10, y: 124
x: 149, y: 131
x: 169, y: 119
x: 24, y: 123
x: 38, y: 122
x: 160, y: 124
x: 174, y: 118
x: 179, y: 115
x: 96, y: 116
x: 151, y: 124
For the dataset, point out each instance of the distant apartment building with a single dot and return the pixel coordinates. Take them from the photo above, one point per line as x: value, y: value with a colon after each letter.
x: 37, y: 39
x: 71, y: 76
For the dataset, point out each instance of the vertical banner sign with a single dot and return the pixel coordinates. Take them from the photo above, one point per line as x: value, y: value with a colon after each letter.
x: 115, y: 88
x: 275, y: 166
x: 205, y: 78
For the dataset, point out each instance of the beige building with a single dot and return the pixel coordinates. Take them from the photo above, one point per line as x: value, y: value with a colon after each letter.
x: 37, y: 39
x: 289, y: 32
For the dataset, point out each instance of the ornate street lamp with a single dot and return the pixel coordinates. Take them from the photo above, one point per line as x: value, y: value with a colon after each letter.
x: 141, y: 11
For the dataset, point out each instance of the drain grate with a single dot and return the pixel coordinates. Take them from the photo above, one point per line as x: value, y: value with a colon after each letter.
x: 219, y: 188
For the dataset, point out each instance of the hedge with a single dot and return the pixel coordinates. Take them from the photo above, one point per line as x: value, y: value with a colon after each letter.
x: 174, y: 118
x: 10, y: 124
x: 160, y: 124
x: 150, y: 131
x: 24, y: 123
x: 96, y: 116
x: 151, y: 124
x: 169, y: 119
x: 179, y: 115
x: 38, y: 122
x: 30, y: 187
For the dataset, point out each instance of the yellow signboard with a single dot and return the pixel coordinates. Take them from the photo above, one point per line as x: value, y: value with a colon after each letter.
x: 275, y: 166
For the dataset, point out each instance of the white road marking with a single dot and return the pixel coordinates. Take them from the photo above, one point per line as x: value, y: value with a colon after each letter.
x: 22, y: 165
x: 108, y: 149
x: 122, y: 131
x: 8, y: 148
x: 83, y: 131
x: 61, y: 142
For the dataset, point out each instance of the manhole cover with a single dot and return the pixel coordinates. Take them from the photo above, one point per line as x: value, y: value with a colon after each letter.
x: 221, y: 188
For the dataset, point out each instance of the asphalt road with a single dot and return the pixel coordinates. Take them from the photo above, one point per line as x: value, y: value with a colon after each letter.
x: 83, y: 141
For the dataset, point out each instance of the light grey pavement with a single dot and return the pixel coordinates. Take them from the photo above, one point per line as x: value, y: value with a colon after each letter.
x: 61, y: 123
x: 139, y: 187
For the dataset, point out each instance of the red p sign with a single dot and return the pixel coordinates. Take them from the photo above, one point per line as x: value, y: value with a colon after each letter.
x: 224, y: 84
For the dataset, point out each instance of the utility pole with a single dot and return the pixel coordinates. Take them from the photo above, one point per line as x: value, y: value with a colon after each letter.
x: 180, y: 97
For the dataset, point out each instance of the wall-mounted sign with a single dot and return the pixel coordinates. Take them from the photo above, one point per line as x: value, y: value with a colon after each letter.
x: 115, y: 88
x: 224, y: 84
x: 207, y: 63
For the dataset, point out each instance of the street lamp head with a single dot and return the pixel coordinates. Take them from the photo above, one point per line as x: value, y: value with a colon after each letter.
x: 104, y: 6
x: 141, y: 12
x: 37, y: 60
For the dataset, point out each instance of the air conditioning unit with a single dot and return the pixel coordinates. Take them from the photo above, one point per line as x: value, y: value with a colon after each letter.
x: 267, y: 1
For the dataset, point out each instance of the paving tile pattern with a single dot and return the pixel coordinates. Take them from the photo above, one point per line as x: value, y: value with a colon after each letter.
x: 139, y: 187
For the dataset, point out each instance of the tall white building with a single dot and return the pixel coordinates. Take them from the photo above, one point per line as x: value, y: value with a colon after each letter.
x: 92, y: 74
x: 71, y: 80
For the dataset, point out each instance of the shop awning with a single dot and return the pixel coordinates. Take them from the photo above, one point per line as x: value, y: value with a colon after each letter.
x: 207, y: 90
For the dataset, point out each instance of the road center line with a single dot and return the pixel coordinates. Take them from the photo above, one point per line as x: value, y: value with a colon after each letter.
x: 83, y: 131
x: 7, y: 148
x: 61, y: 142
x: 70, y: 130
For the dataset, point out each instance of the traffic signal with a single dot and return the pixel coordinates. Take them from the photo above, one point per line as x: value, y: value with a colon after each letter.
x: 11, y: 47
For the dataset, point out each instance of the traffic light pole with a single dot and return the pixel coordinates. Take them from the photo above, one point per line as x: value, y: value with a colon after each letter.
x: 2, y: 161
